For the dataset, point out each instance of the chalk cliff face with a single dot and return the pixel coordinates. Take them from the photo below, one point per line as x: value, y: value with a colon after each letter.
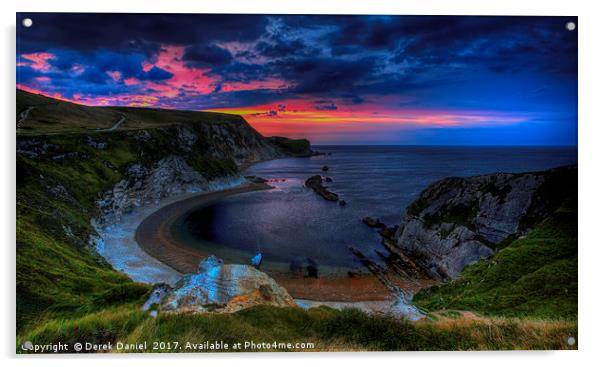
x: 458, y: 221
x: 148, y: 154
x: 186, y: 159
x: 223, y: 287
x: 80, y: 168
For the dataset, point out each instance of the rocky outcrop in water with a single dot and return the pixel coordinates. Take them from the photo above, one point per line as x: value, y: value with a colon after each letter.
x: 373, y: 222
x: 219, y: 287
x: 316, y: 184
x: 458, y: 221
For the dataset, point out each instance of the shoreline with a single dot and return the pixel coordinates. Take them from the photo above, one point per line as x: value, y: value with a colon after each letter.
x: 118, y: 246
x: 153, y: 236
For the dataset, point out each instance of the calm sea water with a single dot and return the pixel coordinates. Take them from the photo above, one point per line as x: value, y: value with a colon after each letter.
x: 292, y: 225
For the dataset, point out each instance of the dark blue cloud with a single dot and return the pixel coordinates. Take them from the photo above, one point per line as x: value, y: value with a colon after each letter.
x: 448, y: 62
x: 143, y: 33
x: 207, y: 56
x: 155, y: 74
x: 325, y: 106
x: 281, y: 48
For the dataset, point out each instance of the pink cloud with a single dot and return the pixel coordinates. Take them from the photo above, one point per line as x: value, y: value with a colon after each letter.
x: 77, y: 69
x: 253, y: 85
x: 115, y: 75
x: 146, y: 66
x: 37, y: 61
x: 131, y: 81
x: 38, y: 91
x: 185, y: 78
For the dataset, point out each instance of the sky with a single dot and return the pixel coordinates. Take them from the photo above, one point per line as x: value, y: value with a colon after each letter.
x: 425, y: 80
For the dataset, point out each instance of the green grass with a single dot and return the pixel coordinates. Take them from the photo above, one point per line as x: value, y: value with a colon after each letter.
x: 534, y: 276
x: 66, y: 292
x: 52, y: 116
x: 58, y: 274
x: 213, y: 168
x: 56, y: 199
x: 325, y: 328
x: 460, y: 214
x: 296, y: 147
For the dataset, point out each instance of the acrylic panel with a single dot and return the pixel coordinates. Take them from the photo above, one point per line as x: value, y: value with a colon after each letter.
x: 258, y: 183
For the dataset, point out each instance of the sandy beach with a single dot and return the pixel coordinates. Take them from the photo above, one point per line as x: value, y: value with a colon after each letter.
x: 153, y: 235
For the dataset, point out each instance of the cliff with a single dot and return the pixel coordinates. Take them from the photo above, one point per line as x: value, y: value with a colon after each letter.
x: 458, y: 221
x: 294, y: 147
x: 78, y: 164
x: 534, y: 276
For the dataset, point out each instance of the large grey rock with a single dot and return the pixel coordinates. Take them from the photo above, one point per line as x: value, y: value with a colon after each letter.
x: 458, y: 221
x: 225, y: 288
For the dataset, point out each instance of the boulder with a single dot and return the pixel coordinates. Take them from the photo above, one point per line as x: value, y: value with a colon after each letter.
x: 373, y: 223
x: 219, y: 287
x: 315, y: 183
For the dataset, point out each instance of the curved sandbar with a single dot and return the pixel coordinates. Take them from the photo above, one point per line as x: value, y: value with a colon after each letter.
x: 154, y: 236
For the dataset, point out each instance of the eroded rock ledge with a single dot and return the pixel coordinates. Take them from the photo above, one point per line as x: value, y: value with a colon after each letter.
x: 458, y: 221
x: 222, y: 288
x: 316, y: 184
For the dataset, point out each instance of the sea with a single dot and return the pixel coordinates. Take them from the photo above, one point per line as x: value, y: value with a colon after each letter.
x: 292, y: 226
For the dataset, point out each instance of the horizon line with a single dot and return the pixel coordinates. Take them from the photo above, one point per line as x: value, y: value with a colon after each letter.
x: 453, y: 145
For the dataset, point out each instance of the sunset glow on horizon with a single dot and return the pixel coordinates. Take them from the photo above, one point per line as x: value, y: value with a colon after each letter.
x: 331, y: 79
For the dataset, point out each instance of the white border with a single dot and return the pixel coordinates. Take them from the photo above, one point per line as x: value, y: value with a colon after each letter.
x: 590, y: 205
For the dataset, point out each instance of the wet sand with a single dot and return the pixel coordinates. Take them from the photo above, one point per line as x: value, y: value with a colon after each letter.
x: 153, y: 235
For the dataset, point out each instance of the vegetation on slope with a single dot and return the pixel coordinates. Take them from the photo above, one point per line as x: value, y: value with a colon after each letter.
x: 52, y: 116
x: 56, y: 271
x: 534, y: 276
x: 325, y: 328
x: 294, y: 147
x: 60, y: 176
x: 65, y: 292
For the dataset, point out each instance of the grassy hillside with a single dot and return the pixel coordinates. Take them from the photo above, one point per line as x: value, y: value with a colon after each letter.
x: 66, y: 292
x: 56, y: 271
x: 295, y: 147
x: 61, y: 175
x: 534, y: 276
x: 51, y: 116
x: 326, y: 329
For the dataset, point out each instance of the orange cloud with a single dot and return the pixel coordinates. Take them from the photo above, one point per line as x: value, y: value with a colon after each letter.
x: 297, y: 118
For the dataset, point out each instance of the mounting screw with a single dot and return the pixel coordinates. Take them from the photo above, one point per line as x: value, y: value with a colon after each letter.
x: 570, y: 26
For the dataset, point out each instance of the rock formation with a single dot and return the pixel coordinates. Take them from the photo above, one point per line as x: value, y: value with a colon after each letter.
x: 202, y: 158
x: 220, y: 287
x: 458, y: 221
x: 373, y: 223
x: 316, y: 184
x: 293, y: 147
